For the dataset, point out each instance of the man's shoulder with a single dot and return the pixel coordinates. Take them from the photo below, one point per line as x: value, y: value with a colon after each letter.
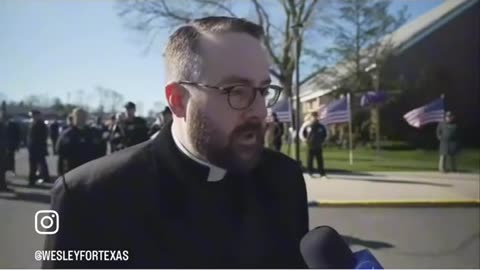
x: 122, y: 168
x: 279, y: 161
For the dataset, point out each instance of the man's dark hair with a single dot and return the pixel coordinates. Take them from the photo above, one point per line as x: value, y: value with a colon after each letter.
x: 182, y: 54
x: 130, y: 105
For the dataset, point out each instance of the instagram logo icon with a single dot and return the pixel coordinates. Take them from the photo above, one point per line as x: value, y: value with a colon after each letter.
x: 46, y: 222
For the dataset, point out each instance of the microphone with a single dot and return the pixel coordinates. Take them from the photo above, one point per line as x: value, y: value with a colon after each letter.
x: 324, y: 248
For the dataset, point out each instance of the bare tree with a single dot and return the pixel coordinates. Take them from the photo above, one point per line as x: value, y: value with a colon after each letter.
x: 117, y: 100
x: 32, y: 100
x: 276, y: 17
x: 80, y: 97
x: 363, y: 41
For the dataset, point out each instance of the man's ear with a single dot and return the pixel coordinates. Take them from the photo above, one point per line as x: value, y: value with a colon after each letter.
x: 177, y: 97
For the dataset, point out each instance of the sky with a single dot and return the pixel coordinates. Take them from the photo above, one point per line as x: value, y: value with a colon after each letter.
x: 59, y: 48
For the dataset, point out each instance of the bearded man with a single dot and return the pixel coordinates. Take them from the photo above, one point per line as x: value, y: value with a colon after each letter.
x: 204, y: 193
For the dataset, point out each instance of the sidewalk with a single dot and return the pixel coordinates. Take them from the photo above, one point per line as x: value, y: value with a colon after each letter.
x: 394, y: 189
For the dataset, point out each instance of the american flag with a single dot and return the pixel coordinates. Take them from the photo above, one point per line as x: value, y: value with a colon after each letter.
x: 283, y: 111
x: 430, y: 113
x: 336, y: 111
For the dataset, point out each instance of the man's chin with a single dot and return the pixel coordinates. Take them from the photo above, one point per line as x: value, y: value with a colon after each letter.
x: 247, y: 159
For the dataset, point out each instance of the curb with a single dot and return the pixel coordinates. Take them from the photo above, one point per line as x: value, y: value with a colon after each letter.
x: 395, y: 203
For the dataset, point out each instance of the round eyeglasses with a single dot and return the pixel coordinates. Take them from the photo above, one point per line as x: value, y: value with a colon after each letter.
x: 240, y: 97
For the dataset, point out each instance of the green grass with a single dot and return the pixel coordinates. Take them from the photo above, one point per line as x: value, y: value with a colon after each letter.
x: 365, y: 159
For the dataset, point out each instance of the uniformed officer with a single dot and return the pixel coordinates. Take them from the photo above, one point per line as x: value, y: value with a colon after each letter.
x: 447, y: 134
x: 37, y: 148
x: 316, y: 134
x: 101, y: 134
x: 76, y: 145
x: 135, y: 128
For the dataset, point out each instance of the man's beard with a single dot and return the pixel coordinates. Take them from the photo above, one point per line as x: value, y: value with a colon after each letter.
x: 225, y: 150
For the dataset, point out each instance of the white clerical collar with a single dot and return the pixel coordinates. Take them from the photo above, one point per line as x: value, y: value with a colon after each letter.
x: 215, y: 173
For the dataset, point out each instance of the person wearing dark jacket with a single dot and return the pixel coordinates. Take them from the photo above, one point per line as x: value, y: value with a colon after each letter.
x: 37, y: 148
x: 204, y: 193
x: 100, y: 139
x: 316, y: 133
x: 278, y: 133
x: 76, y: 144
x: 161, y: 122
x: 54, y: 132
x: 14, y: 137
x: 135, y: 128
x: 3, y: 151
x: 447, y: 134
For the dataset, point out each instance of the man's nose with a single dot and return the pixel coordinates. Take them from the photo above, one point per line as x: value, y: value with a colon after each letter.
x: 258, y: 109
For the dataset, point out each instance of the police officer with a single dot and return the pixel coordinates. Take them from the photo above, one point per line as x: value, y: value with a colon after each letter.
x: 135, y: 128
x: 447, y: 134
x: 101, y: 134
x: 37, y: 148
x: 76, y: 145
x: 315, y: 136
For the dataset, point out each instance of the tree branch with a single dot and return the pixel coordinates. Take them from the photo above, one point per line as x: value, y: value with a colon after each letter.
x: 218, y: 5
x: 264, y: 21
x: 167, y: 12
x: 311, y: 75
x: 309, y: 12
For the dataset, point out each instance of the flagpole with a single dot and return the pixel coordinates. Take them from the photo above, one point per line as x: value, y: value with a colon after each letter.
x: 350, y: 129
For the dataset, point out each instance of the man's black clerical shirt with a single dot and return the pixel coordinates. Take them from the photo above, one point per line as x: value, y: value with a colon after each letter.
x: 155, y: 202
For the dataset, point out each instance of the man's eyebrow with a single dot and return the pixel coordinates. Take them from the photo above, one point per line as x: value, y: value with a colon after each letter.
x: 266, y: 81
x: 242, y: 80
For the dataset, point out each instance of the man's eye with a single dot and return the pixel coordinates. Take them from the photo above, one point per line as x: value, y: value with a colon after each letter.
x: 264, y: 91
x: 238, y: 91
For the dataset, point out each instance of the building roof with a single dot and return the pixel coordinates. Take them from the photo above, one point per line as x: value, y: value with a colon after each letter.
x: 401, y: 39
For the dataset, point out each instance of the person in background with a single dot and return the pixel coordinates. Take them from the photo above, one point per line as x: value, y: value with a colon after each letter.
x: 14, y: 137
x: 76, y: 144
x: 54, y: 133
x: 447, y: 134
x: 161, y: 121
x: 3, y: 152
x: 167, y: 116
x: 315, y: 134
x: 135, y: 128
x: 117, y: 132
x: 37, y: 148
x: 277, y: 133
x: 101, y: 135
x: 60, y: 159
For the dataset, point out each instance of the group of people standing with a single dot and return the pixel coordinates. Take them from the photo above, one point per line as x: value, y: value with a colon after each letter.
x: 76, y: 143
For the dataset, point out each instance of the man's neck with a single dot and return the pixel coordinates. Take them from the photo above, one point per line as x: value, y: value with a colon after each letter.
x: 215, y: 173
